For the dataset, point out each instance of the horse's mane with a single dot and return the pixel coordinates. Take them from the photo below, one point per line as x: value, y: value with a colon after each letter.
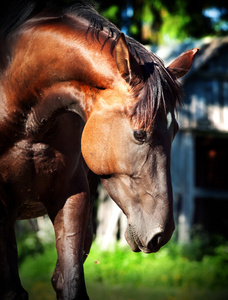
x: 152, y: 91
x: 157, y: 89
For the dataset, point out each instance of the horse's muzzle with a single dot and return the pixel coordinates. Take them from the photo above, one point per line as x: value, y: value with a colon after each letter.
x: 159, y: 239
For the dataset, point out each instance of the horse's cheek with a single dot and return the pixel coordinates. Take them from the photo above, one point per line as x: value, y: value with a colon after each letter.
x: 94, y: 146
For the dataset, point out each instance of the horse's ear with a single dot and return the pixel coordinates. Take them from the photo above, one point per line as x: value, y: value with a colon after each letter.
x: 182, y: 64
x: 122, y: 56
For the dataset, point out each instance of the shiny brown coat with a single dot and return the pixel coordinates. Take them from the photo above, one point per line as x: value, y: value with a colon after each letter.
x: 70, y: 103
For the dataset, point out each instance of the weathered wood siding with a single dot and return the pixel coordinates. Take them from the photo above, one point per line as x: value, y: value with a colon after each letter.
x: 204, y: 114
x: 206, y: 91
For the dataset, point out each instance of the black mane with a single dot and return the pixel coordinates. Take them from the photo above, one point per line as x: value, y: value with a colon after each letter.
x: 14, y: 13
x: 156, y: 88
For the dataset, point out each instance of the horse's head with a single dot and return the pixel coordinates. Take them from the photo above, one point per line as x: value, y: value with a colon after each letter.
x: 128, y: 144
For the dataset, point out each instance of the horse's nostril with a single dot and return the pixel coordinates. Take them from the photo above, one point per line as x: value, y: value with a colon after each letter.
x: 155, y: 242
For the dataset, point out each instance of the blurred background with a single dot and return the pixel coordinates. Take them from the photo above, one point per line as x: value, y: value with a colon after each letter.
x: 194, y: 264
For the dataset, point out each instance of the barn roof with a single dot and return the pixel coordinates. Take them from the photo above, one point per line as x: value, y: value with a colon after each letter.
x: 209, y: 48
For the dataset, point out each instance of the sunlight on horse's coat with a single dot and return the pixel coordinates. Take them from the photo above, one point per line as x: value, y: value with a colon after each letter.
x: 77, y: 96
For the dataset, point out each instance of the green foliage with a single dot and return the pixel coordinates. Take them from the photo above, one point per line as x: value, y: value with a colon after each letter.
x: 172, y: 27
x: 171, y: 266
x: 31, y: 242
x: 39, y: 267
x: 35, y: 273
x: 196, y: 271
x: 112, y: 13
x: 29, y: 245
x: 202, y: 244
x: 158, y: 21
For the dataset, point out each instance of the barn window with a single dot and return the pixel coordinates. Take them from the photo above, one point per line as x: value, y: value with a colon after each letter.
x: 211, y: 179
x: 211, y: 162
x: 211, y: 215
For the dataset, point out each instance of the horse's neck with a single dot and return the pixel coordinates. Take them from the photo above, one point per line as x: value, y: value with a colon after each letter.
x: 52, y: 73
x: 55, y: 68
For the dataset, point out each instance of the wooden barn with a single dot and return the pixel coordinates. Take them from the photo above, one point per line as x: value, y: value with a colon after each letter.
x: 200, y: 149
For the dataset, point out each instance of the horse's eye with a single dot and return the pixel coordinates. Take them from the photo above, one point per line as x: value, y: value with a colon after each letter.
x: 140, y: 135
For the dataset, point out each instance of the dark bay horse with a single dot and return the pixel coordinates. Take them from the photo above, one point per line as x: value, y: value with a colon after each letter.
x: 79, y: 96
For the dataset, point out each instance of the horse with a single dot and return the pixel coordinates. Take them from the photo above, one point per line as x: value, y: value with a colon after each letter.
x: 80, y: 99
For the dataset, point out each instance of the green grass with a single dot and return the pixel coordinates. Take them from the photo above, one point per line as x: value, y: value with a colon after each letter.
x: 172, y: 273
x: 156, y: 293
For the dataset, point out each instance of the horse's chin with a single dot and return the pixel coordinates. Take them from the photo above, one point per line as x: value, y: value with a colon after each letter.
x: 139, y: 248
x: 130, y: 239
x: 134, y: 242
x: 134, y: 247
